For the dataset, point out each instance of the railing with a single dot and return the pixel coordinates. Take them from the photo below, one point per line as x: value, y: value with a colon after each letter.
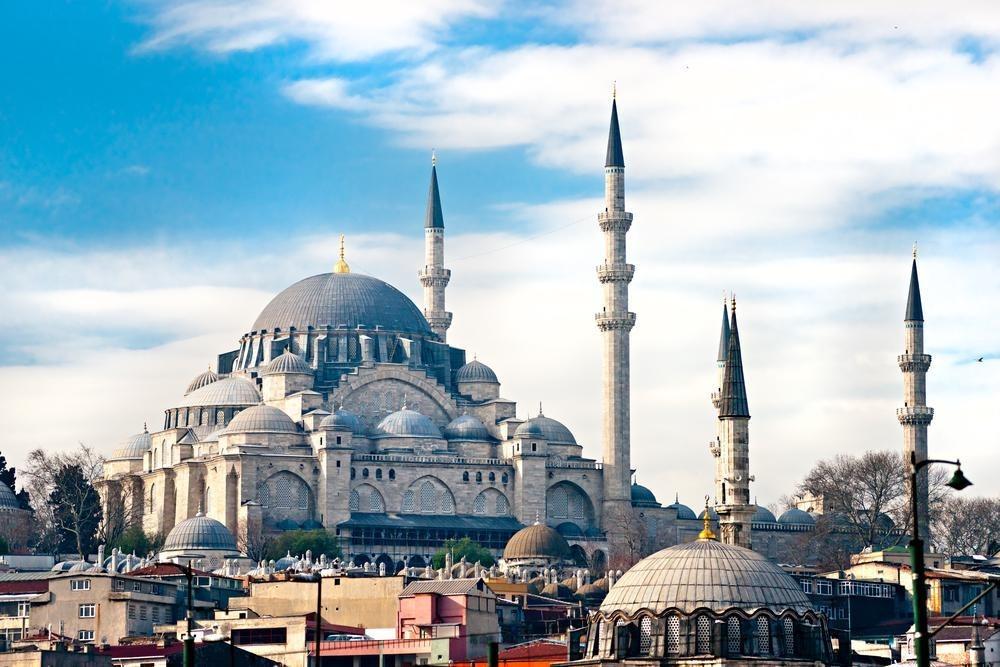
x: 408, y: 458
x: 575, y: 465
x: 373, y: 646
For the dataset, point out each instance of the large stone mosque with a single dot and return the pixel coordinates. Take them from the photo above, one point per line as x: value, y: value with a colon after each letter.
x: 344, y: 407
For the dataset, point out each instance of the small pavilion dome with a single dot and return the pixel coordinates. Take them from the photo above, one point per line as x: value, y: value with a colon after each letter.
x: 683, y: 511
x: 262, y: 419
x: 547, y: 428
x: 232, y: 390
x: 200, y: 533
x: 344, y: 420
x: 536, y: 541
x: 134, y: 446
x: 795, y: 516
x: 467, y: 427
x: 406, y: 423
x: 643, y: 497
x: 763, y: 515
x: 476, y: 371
x: 287, y: 363
x: 206, y: 378
x: 8, y: 501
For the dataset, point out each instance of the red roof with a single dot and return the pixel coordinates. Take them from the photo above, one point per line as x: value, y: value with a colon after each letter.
x: 21, y: 587
x: 533, y: 650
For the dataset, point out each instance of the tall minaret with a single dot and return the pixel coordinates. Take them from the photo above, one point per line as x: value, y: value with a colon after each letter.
x: 732, y: 469
x: 434, y: 277
x: 720, y: 360
x: 915, y: 416
x: 615, y: 322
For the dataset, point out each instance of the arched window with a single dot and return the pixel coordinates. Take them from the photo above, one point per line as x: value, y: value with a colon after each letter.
x: 479, y: 477
x: 504, y: 478
x: 354, y: 473
x: 364, y: 473
x: 409, y: 502
x: 734, y: 642
x: 392, y: 474
x: 375, y: 502
x: 465, y: 476
x: 354, y: 503
x: 763, y: 636
x: 263, y: 494
x: 428, y: 498
x: 447, y: 503
x: 283, y: 492
x: 208, y: 498
x: 673, y: 635
x: 559, y: 504
x: 378, y: 473
x: 493, y: 477
x: 479, y: 504
x: 704, y: 635
x: 789, y: 637
x: 645, y: 635
x: 152, y: 498
x: 595, y: 641
x: 503, y: 506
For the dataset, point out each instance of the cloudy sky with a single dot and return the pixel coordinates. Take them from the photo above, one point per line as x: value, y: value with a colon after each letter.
x: 166, y: 167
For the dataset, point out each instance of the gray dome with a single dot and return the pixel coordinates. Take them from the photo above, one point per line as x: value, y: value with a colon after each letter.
x: 683, y: 511
x: 342, y: 299
x: 547, y: 428
x: 763, y: 515
x: 134, y: 446
x: 199, y: 533
x: 643, y: 497
x: 343, y: 419
x: 796, y: 516
x: 287, y: 362
x: 8, y: 501
x: 233, y: 390
x: 407, y: 423
x: 467, y: 427
x: 705, y: 574
x: 206, y: 378
x: 476, y: 371
x: 536, y: 541
x: 262, y: 419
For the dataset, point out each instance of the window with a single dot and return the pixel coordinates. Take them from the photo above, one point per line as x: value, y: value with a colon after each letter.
x: 645, y: 635
x: 493, y: 477
x: 479, y: 504
x: 824, y: 588
x: 378, y: 473
x: 763, y: 636
x: 85, y: 635
x: 704, y: 635
x: 354, y: 473
x: 673, y: 634
x: 789, y: 636
x: 131, y: 610
x: 80, y: 585
x: 479, y: 478
x: 263, y: 494
x: 157, y: 589
x: 428, y: 498
x: 503, y: 506
x: 807, y: 586
x: 119, y: 584
x: 156, y: 614
x: 23, y: 609
x: 259, y: 636
x: 465, y: 476
x: 354, y: 502
x: 137, y: 586
x: 375, y: 502
x: 143, y: 612
x: 734, y: 642
x: 409, y: 501
x: 504, y: 478
x: 364, y: 473
x: 534, y: 446
x: 87, y: 610
x: 392, y: 474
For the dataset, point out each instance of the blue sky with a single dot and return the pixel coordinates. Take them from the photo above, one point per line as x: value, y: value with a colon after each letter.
x: 166, y: 167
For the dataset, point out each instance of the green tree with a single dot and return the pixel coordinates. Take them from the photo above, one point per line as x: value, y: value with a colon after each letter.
x: 76, y: 506
x: 9, y: 477
x: 134, y: 540
x: 473, y: 552
x: 297, y: 542
x: 4, y: 547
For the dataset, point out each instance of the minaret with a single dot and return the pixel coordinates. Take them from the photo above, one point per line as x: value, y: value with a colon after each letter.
x: 915, y: 416
x: 615, y: 322
x: 732, y: 469
x: 434, y: 277
x: 720, y: 360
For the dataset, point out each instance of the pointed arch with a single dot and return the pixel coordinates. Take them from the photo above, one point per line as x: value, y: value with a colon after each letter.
x: 428, y: 495
x: 565, y: 501
x: 491, y: 502
x: 366, y: 498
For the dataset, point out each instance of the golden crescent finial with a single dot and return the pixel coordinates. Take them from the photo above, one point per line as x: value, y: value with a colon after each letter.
x: 706, y: 531
x: 341, y: 266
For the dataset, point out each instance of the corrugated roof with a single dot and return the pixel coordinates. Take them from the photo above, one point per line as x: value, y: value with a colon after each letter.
x: 437, y: 521
x: 446, y: 587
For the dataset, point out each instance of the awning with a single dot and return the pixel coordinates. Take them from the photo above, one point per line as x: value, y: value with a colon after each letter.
x: 460, y: 522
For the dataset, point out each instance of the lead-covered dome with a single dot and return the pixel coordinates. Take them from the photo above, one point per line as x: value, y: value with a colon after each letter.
x: 406, y: 423
x: 643, y: 497
x: 208, y: 377
x: 536, y: 541
x: 285, y: 363
x: 476, y: 371
x: 343, y: 419
x: 763, y: 515
x: 467, y: 427
x: 200, y: 533
x: 547, y: 428
x: 134, y: 446
x: 8, y: 501
x: 351, y: 300
x: 230, y: 391
x: 262, y: 419
x: 705, y: 575
x: 795, y: 516
x: 683, y: 511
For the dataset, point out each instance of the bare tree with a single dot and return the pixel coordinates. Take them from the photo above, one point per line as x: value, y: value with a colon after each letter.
x: 252, y: 542
x: 627, y: 537
x: 65, y: 501
x: 968, y: 526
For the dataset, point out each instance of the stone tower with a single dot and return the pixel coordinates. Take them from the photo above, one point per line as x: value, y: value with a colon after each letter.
x: 732, y: 452
x: 720, y: 360
x: 434, y: 277
x: 915, y: 416
x: 615, y: 322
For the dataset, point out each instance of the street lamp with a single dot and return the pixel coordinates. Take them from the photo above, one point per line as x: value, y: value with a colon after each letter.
x: 958, y: 482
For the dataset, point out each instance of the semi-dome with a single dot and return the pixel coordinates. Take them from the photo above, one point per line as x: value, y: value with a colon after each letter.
x: 683, y: 511
x: 200, y: 533
x: 350, y: 300
x: 287, y: 362
x: 795, y: 516
x: 230, y: 391
x: 643, y: 497
x: 8, y: 501
x: 134, y: 446
x: 763, y: 515
x: 547, y: 428
x: 343, y: 419
x: 476, y: 371
x: 467, y: 427
x: 406, y: 423
x: 705, y: 574
x: 208, y: 377
x: 536, y: 541
x: 262, y: 419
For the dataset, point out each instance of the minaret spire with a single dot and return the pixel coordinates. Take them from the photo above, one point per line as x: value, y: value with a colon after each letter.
x: 434, y: 277
x: 915, y: 416
x: 615, y: 323
x: 720, y: 359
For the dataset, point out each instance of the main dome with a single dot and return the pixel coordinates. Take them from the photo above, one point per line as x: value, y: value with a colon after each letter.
x: 351, y: 300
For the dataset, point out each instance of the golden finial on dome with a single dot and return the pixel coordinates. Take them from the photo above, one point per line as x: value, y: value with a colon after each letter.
x: 341, y: 265
x: 706, y: 532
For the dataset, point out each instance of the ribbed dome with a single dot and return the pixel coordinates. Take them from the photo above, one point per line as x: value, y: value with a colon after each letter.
x: 407, y: 423
x: 476, y: 371
x: 643, y: 497
x: 8, y: 501
x: 797, y: 517
x: 234, y: 390
x: 683, y: 511
x: 343, y: 419
x: 536, y: 541
x: 208, y: 377
x: 348, y: 299
x: 200, y: 532
x: 547, y: 428
x: 763, y: 515
x: 287, y: 362
x: 134, y: 446
x: 467, y: 427
x: 705, y: 574
x: 262, y: 419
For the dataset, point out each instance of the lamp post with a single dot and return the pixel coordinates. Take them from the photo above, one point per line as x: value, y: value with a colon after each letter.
x: 958, y: 481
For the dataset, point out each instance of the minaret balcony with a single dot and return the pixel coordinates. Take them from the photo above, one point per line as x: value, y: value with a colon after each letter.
x: 920, y: 415
x: 611, y: 322
x: 908, y: 363
x: 614, y: 221
x: 615, y: 273
x: 433, y: 276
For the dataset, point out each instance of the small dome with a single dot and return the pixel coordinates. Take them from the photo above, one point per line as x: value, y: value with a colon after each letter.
x: 547, y: 428
x: 312, y: 524
x: 233, y: 390
x: 763, y: 515
x: 795, y: 516
x: 285, y: 562
x: 705, y: 574
x: 683, y: 511
x: 407, y: 423
x: 467, y: 427
x: 569, y: 529
x: 476, y: 371
x: 287, y: 524
x: 557, y: 591
x: 262, y: 419
x: 199, y: 533
x: 342, y: 419
x: 591, y: 592
x: 287, y: 362
x: 536, y: 541
x: 712, y: 514
x: 8, y: 500
x: 643, y: 497
x: 213, y: 436
x: 208, y: 377
x: 134, y: 446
